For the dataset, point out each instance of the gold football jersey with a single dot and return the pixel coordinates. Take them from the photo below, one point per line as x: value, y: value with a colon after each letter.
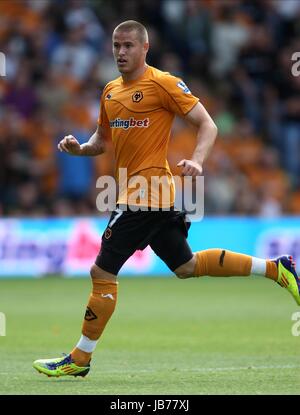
x: 137, y: 116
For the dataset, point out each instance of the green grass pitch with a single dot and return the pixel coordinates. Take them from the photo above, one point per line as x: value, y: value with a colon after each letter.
x: 167, y: 336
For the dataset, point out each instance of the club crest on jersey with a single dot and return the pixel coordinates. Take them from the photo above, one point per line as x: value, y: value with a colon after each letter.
x: 137, y: 96
x: 184, y: 87
x: 130, y: 123
x: 108, y: 96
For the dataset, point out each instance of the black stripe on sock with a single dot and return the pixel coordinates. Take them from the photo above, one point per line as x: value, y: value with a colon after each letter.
x: 221, y: 261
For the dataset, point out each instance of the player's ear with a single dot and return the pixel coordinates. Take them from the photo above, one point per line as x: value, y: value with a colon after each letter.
x: 146, y: 47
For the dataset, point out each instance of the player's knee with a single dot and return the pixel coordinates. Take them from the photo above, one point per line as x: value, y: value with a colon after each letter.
x: 97, y: 272
x: 183, y: 272
x: 182, y: 275
x: 186, y: 270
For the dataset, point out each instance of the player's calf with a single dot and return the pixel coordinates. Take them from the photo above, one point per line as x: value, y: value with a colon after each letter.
x: 100, y: 308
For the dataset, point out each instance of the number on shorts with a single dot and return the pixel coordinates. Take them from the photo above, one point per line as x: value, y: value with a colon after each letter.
x: 114, y: 220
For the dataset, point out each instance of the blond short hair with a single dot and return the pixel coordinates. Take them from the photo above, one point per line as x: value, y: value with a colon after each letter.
x: 130, y: 25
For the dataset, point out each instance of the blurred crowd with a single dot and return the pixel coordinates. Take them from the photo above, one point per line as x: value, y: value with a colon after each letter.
x: 235, y: 55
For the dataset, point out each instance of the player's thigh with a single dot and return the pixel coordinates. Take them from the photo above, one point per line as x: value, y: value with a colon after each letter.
x: 111, y: 261
x: 126, y: 232
x: 117, y: 244
x: 171, y: 245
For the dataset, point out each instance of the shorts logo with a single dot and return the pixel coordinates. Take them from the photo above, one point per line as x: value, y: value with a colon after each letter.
x: 89, y: 314
x: 183, y: 86
x: 107, y: 233
x: 131, y: 123
x: 137, y: 96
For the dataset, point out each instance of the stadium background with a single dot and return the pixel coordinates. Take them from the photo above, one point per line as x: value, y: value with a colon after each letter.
x: 167, y: 336
x: 234, y: 55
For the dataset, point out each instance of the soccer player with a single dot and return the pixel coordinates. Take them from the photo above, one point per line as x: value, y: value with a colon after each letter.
x: 136, y: 113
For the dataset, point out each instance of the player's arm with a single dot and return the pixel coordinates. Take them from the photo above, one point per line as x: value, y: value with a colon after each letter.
x: 206, y: 135
x: 94, y: 147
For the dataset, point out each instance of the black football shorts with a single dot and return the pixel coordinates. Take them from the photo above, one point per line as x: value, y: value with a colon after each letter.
x: 128, y: 231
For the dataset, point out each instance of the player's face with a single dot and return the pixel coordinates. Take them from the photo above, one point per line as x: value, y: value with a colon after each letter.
x: 129, y: 52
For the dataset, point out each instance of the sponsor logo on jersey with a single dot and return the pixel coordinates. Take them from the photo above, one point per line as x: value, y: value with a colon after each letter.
x: 130, y: 123
x: 183, y: 86
x: 137, y: 96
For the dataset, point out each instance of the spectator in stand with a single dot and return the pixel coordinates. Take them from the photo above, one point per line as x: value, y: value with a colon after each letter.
x: 21, y: 94
x: 74, y: 57
x: 234, y: 55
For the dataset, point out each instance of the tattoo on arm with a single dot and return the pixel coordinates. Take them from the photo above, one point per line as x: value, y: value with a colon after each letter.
x: 95, y: 146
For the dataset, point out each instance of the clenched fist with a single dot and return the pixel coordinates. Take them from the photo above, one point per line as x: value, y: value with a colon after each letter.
x: 70, y: 145
x: 190, y: 168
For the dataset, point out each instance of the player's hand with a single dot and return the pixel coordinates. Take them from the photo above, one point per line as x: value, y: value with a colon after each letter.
x: 190, y: 168
x: 70, y: 145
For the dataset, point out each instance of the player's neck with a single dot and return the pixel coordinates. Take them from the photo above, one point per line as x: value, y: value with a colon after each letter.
x: 132, y: 76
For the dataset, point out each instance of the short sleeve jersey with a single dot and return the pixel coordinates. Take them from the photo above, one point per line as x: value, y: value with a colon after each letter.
x: 137, y: 116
